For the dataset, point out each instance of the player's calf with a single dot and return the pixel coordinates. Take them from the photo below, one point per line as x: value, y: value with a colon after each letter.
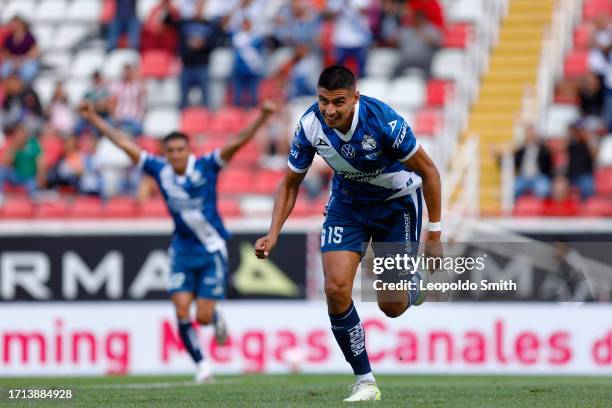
x: 205, y: 317
x: 393, y: 309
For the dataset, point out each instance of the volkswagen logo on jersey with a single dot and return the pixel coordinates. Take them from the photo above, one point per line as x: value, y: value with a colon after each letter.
x: 368, y: 143
x: 348, y: 151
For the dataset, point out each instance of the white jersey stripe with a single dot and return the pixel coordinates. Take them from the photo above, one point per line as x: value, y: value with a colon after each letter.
x: 193, y: 218
x: 392, y: 181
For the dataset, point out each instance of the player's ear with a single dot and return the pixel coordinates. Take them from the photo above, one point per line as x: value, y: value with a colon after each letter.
x: 356, y: 97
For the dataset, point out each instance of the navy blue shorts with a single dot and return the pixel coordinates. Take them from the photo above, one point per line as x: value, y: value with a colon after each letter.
x: 203, y: 274
x: 347, y: 225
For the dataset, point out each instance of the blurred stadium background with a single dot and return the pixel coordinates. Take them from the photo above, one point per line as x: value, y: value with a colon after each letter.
x: 510, y: 97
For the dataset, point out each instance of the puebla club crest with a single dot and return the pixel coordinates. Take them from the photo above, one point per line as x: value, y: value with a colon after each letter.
x: 368, y: 143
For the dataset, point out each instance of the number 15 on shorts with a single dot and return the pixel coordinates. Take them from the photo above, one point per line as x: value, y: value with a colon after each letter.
x: 332, y: 234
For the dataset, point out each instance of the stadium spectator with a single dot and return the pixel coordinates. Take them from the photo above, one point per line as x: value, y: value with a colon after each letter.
x: 188, y: 9
x: 249, y: 64
x: 156, y: 34
x: 211, y: 9
x: 600, y: 45
x: 117, y: 175
x: 431, y: 9
x: 569, y: 268
x: 22, y: 163
x: 125, y: 20
x: 252, y: 10
x: 274, y: 142
x: 19, y: 52
x: 351, y: 35
x: 581, y: 154
x: 561, y: 203
x: 388, y: 23
x: 533, y: 166
x: 21, y: 105
x: 590, y: 95
x: 127, y: 95
x: 100, y: 96
x: 197, y: 38
x: 297, y: 23
x: 299, y: 75
x: 59, y: 113
x: 417, y: 43
x: 74, y: 169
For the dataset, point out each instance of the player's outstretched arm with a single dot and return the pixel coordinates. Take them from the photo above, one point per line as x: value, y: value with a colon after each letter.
x: 421, y: 163
x: 283, y: 205
x: 268, y: 108
x: 123, y: 141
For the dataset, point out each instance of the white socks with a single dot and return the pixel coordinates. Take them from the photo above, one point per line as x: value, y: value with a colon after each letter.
x: 368, y: 378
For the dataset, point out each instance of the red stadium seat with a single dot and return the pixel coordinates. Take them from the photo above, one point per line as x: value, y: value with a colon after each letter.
x: 248, y: 156
x: 582, y: 36
x: 52, y: 209
x: 15, y: 208
x: 576, y: 64
x: 120, y: 207
x: 564, y: 208
x: 155, y: 208
x: 109, y: 8
x: 201, y: 148
x: 229, y: 208
x: 306, y: 208
x: 149, y: 144
x: 195, y: 120
x: 267, y: 181
x: 593, y: 8
x: 603, y: 181
x: 597, y: 207
x: 427, y: 122
x: 438, y: 91
x: 528, y: 206
x: 86, y: 207
x: 270, y: 89
x: 228, y: 120
x: 301, y: 208
x: 53, y: 148
x: 236, y: 181
x: 457, y: 35
x: 156, y: 64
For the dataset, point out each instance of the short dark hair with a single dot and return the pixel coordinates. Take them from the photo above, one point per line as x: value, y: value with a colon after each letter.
x: 175, y: 136
x: 336, y: 77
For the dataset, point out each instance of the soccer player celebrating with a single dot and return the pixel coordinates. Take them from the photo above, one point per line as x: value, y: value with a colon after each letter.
x: 198, y: 250
x: 379, y: 172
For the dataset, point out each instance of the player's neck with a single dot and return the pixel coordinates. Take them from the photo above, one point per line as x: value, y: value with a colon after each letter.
x: 181, y: 171
x: 346, y: 126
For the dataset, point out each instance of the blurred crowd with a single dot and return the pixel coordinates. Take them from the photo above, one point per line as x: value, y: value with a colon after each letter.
x: 317, y: 32
x: 561, y: 168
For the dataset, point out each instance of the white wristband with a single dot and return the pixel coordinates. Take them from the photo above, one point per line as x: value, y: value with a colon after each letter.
x: 435, y: 226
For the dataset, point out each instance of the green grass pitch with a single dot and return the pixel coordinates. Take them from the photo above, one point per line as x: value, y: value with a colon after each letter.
x: 317, y: 391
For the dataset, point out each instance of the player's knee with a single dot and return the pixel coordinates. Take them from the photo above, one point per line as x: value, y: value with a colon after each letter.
x: 182, y: 313
x: 204, y: 317
x: 392, y: 309
x: 337, y: 291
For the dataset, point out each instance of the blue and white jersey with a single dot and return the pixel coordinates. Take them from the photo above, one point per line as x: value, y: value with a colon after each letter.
x: 367, y: 160
x: 191, y: 199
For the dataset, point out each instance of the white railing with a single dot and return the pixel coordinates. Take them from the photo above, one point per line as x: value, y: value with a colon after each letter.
x: 460, y: 190
x: 467, y: 87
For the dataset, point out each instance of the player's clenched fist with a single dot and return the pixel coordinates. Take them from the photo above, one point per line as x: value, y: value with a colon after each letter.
x: 268, y: 107
x: 264, y: 246
x: 86, y: 109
